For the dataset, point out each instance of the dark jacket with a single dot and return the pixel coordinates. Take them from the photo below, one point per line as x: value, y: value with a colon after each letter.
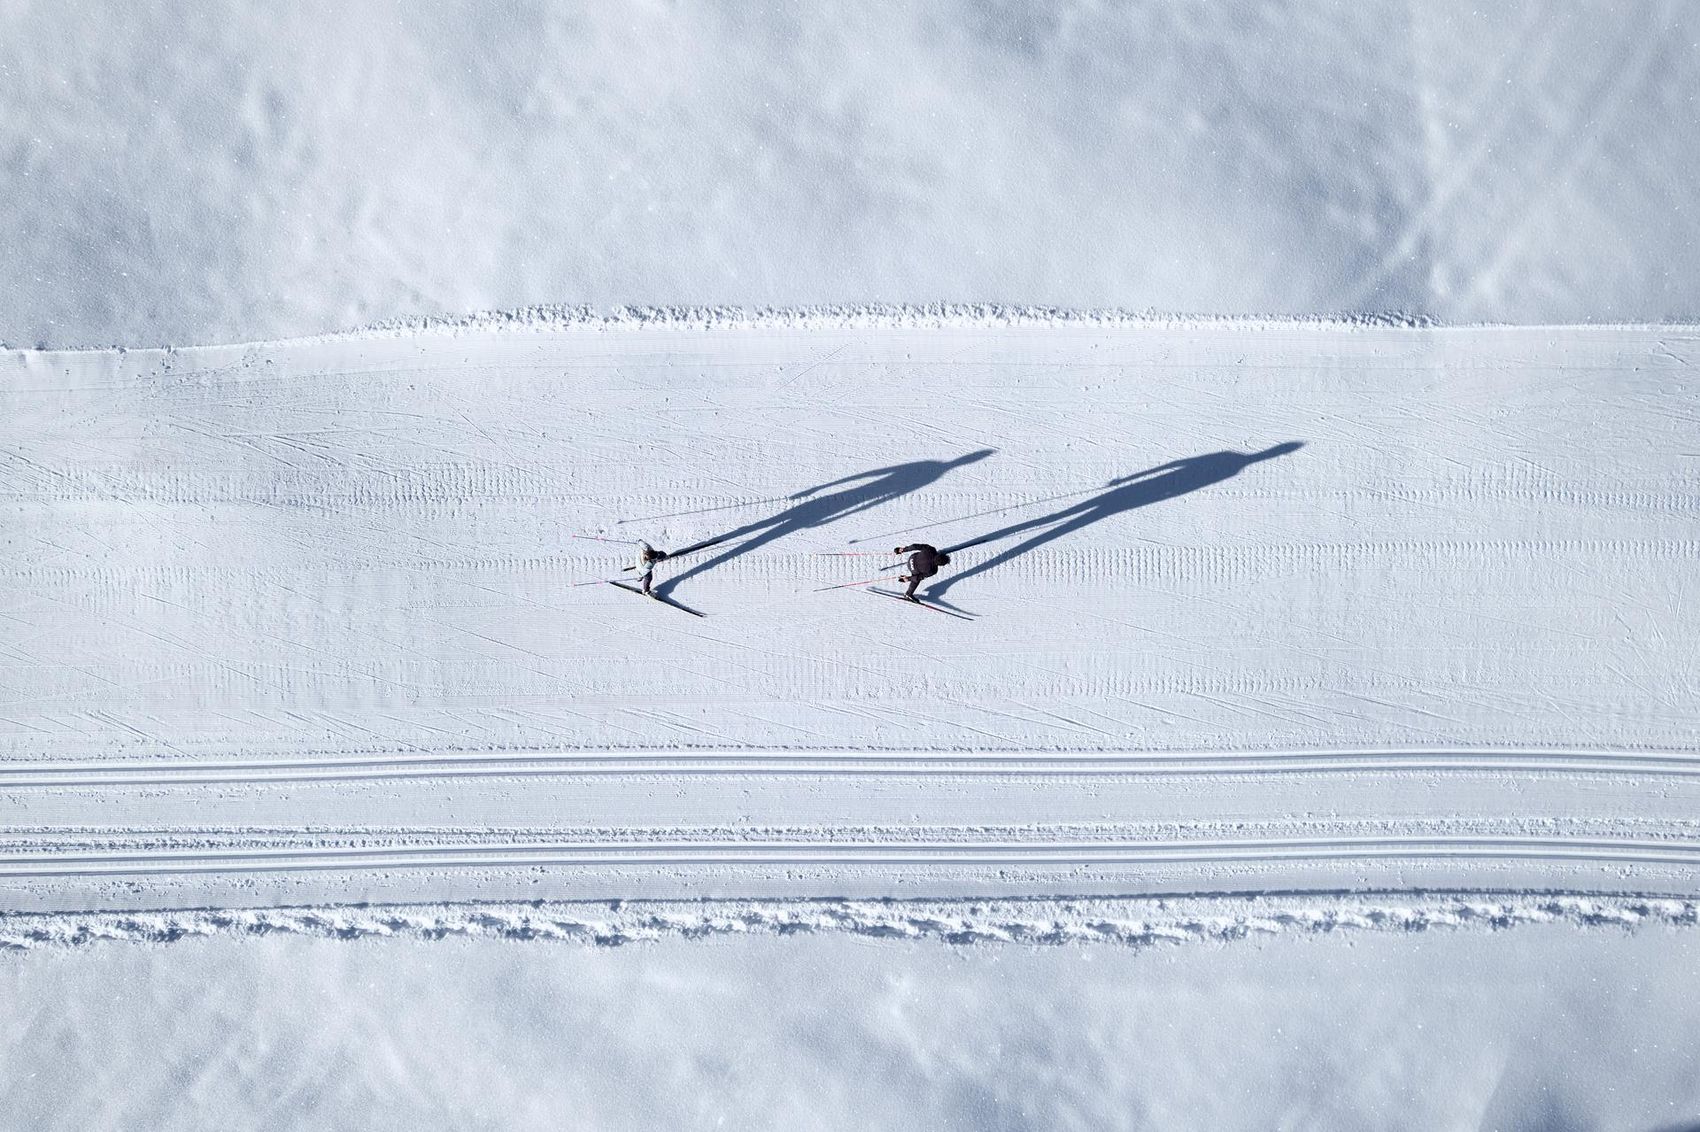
x: 924, y: 560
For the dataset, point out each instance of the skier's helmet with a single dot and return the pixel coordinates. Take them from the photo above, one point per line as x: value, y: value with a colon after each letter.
x: 944, y: 559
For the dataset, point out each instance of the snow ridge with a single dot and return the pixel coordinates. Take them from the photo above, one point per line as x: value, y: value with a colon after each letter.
x: 867, y: 316
x: 1119, y: 922
x: 560, y: 318
x: 556, y: 318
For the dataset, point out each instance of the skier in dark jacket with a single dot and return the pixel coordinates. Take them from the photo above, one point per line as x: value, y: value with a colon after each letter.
x: 924, y: 562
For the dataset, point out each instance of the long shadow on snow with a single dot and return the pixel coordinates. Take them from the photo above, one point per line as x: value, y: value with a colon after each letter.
x: 812, y: 509
x: 1153, y: 485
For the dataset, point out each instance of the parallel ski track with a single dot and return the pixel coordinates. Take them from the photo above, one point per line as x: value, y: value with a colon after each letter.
x: 21, y: 775
x: 1582, y: 850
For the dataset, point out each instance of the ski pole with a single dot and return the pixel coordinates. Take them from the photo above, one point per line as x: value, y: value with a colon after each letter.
x: 979, y: 514
x: 863, y: 582
x: 598, y: 538
x: 703, y: 510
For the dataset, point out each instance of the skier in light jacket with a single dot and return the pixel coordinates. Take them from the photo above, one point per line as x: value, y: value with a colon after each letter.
x: 647, y: 557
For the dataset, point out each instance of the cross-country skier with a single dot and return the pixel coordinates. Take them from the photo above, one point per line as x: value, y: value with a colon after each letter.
x: 647, y: 557
x: 817, y: 506
x: 924, y: 562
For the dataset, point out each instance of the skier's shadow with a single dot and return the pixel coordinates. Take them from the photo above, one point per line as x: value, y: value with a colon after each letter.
x: 1178, y: 477
x: 814, y: 509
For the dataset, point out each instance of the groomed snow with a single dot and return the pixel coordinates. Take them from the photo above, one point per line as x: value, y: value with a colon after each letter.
x: 1347, y: 538
x: 176, y: 172
x: 1331, y: 608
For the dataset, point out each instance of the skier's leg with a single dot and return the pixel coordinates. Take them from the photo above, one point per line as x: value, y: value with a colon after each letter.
x: 648, y: 578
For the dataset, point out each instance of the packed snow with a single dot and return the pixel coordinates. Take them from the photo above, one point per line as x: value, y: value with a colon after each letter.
x: 1233, y: 608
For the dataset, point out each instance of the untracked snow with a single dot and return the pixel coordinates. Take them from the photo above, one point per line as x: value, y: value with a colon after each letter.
x: 177, y: 172
x: 1534, y: 1028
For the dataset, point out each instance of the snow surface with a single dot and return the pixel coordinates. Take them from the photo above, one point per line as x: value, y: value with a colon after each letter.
x: 300, y: 624
x: 1352, y: 538
x: 177, y: 172
x: 1549, y: 1027
x: 322, y: 622
x: 288, y: 636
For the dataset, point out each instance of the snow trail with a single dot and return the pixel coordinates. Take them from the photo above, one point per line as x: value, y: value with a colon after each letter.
x: 1427, y: 592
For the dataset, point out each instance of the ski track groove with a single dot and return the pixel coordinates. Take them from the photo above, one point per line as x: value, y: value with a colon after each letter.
x: 1613, y: 850
x: 17, y: 775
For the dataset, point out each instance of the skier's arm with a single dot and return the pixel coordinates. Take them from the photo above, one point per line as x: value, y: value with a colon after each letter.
x: 645, y: 563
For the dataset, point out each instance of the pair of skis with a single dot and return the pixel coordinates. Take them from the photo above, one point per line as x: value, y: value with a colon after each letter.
x: 922, y: 602
x: 662, y: 598
x: 867, y: 584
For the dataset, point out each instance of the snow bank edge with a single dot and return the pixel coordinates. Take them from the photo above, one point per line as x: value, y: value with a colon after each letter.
x: 1121, y: 922
x: 557, y: 318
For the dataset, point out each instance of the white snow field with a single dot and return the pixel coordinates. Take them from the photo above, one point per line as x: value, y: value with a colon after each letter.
x: 178, y: 172
x: 1374, y: 609
x: 1590, y: 1029
x: 1354, y: 785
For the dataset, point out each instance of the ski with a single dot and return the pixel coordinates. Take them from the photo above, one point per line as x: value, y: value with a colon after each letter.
x: 925, y: 604
x: 657, y: 597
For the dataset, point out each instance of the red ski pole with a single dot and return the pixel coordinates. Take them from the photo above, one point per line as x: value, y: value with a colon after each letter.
x: 863, y: 582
